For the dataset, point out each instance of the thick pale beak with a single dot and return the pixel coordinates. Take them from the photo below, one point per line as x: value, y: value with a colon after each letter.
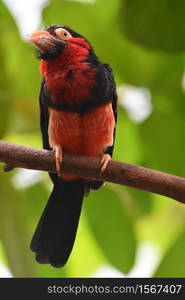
x: 43, y: 40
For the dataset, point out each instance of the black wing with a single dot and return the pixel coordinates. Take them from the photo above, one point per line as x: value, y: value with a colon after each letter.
x: 44, y: 121
x: 111, y: 95
x: 106, y: 91
x: 44, y: 115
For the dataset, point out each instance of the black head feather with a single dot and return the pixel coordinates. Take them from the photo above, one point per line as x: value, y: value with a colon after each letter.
x: 52, y: 28
x: 58, y: 45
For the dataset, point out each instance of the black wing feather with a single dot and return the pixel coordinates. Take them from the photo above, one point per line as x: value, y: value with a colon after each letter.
x: 44, y: 115
x: 44, y: 98
x: 106, y: 90
x: 112, y: 95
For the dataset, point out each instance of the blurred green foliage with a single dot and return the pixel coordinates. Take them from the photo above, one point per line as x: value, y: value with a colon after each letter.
x: 164, y: 19
x: 143, y: 42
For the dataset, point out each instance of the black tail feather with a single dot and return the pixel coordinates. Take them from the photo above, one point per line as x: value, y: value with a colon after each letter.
x: 55, y: 233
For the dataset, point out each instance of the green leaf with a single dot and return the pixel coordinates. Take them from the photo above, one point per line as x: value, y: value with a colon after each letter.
x: 127, y: 144
x: 14, y: 53
x: 112, y: 227
x: 19, y: 82
x: 5, y: 112
x: 155, y: 24
x: 163, y: 224
x: 86, y: 255
x: 162, y: 135
x: 5, y: 87
x: 158, y: 71
x: 140, y: 204
x: 14, y: 232
x: 173, y: 263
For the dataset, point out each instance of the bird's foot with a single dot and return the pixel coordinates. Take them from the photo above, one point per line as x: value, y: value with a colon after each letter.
x: 58, y: 158
x: 104, y: 162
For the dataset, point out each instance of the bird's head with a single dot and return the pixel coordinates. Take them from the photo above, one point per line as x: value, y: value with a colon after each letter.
x: 57, y: 40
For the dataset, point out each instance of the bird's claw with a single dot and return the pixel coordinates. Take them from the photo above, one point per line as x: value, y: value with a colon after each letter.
x: 104, y: 162
x: 58, y: 158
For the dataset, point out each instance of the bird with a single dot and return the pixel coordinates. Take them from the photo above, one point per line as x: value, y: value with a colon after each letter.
x: 78, y: 112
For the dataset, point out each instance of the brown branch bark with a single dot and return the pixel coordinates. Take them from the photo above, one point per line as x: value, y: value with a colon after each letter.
x: 116, y: 172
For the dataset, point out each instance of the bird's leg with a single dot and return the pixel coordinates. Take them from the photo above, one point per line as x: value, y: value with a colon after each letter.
x: 104, y: 162
x: 58, y: 158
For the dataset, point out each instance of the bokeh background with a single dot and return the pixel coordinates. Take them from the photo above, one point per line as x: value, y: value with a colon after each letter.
x: 123, y: 231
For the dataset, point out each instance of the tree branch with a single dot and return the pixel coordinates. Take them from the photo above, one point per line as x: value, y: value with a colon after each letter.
x: 82, y: 166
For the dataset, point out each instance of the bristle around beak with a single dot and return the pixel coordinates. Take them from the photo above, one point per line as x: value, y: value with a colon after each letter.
x: 43, y: 40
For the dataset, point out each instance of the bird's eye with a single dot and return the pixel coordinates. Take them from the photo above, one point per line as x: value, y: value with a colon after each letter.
x: 62, y: 34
